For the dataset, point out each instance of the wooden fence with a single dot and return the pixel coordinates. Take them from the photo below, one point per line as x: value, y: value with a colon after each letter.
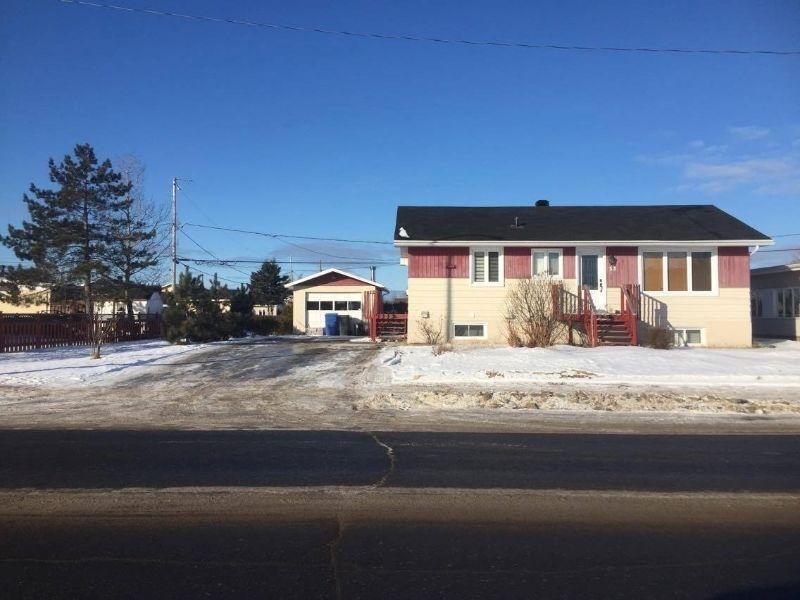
x: 21, y: 332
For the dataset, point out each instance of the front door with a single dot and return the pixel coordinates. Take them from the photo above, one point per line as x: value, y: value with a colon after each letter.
x: 592, y: 273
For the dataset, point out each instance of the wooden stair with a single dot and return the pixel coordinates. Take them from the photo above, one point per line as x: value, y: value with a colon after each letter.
x: 612, y: 330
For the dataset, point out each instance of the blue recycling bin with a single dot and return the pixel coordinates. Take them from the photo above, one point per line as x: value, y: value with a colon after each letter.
x: 331, y: 324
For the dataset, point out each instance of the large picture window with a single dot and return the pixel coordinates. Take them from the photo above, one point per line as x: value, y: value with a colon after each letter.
x: 487, y: 266
x: 678, y: 271
x: 653, y: 271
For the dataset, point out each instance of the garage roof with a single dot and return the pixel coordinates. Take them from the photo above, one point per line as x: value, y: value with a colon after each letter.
x: 337, y: 272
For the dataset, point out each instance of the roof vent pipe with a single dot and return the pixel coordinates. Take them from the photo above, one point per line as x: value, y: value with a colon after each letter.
x: 543, y: 202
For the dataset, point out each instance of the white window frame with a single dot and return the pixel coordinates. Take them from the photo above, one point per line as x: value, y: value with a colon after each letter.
x: 774, y: 302
x: 665, y: 271
x: 547, y: 251
x: 469, y: 337
x: 683, y: 329
x: 500, y: 267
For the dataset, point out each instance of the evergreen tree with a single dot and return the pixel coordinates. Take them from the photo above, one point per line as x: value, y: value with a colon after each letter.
x: 133, y: 231
x: 267, y: 285
x: 194, y: 315
x: 67, y: 236
x: 242, y: 300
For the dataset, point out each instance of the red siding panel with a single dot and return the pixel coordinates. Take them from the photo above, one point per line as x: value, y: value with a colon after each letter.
x: 734, y: 267
x: 434, y: 262
x: 517, y: 262
x: 627, y: 268
x: 569, y: 262
x: 333, y: 279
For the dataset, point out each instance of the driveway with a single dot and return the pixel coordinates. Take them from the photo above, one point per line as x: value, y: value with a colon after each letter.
x: 317, y: 383
x: 252, y: 383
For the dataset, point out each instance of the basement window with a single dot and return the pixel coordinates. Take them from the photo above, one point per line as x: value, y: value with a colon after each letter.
x: 469, y: 331
x: 688, y: 337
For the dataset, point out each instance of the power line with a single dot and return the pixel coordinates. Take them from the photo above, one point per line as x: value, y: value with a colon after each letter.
x: 221, y: 262
x: 786, y: 235
x: 426, y: 39
x: 780, y: 250
x: 191, y: 268
x: 283, y: 235
x: 227, y: 262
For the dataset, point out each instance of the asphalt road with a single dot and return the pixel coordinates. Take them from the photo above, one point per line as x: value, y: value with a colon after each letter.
x: 406, y: 515
x: 121, y: 459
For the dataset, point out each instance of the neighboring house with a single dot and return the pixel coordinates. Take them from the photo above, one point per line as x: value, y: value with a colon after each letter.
x: 267, y: 310
x: 32, y: 300
x: 692, y: 263
x: 145, y: 302
x: 329, y: 291
x: 775, y: 301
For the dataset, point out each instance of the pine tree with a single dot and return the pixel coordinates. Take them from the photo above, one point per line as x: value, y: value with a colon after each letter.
x: 194, y: 315
x: 267, y: 285
x: 67, y: 236
x: 133, y: 230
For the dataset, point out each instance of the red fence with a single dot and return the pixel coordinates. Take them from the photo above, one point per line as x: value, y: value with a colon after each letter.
x: 20, y: 332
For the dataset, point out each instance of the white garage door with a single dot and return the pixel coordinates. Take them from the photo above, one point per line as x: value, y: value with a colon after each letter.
x: 317, y: 304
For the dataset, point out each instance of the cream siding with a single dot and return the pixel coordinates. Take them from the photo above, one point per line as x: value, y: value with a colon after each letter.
x: 725, y: 317
x: 299, y: 313
x: 458, y: 301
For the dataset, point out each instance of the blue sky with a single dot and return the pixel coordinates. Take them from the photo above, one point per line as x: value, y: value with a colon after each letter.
x: 324, y: 136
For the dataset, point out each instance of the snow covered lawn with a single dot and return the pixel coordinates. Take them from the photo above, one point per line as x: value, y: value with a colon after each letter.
x: 768, y: 366
x: 66, y: 367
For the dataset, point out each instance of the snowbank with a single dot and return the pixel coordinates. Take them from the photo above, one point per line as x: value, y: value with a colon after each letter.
x: 778, y: 365
x: 65, y: 367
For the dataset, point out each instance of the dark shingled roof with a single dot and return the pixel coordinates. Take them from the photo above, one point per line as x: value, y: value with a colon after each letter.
x: 572, y: 223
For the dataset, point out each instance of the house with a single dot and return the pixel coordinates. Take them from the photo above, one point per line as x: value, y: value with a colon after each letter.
x: 267, y: 310
x: 775, y: 301
x: 145, y: 301
x: 31, y: 300
x: 687, y: 266
x: 329, y: 291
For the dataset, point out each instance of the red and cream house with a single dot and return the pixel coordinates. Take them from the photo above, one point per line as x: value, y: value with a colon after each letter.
x: 690, y: 263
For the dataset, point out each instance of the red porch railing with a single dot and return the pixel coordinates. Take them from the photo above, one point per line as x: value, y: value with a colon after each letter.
x: 382, y: 324
x: 630, y: 297
x: 579, y: 308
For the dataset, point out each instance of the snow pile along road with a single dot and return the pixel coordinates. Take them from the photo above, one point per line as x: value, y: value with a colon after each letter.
x: 65, y: 367
x: 777, y: 365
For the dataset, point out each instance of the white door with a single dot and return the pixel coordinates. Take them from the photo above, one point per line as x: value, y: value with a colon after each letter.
x: 317, y: 304
x: 592, y: 274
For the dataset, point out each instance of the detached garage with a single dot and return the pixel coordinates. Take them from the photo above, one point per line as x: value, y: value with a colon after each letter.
x: 329, y: 291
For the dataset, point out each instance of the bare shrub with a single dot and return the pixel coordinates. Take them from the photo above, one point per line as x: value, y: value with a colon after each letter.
x: 441, y: 348
x: 530, y: 319
x: 432, y: 334
x: 660, y: 338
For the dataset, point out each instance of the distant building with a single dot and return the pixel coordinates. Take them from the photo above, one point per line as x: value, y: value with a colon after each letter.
x: 775, y: 301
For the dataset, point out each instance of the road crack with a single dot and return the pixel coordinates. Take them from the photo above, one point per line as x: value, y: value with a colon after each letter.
x: 390, y: 455
x: 334, y: 548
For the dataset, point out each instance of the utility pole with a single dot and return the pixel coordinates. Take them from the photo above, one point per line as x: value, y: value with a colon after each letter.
x: 174, y: 233
x: 372, y: 273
